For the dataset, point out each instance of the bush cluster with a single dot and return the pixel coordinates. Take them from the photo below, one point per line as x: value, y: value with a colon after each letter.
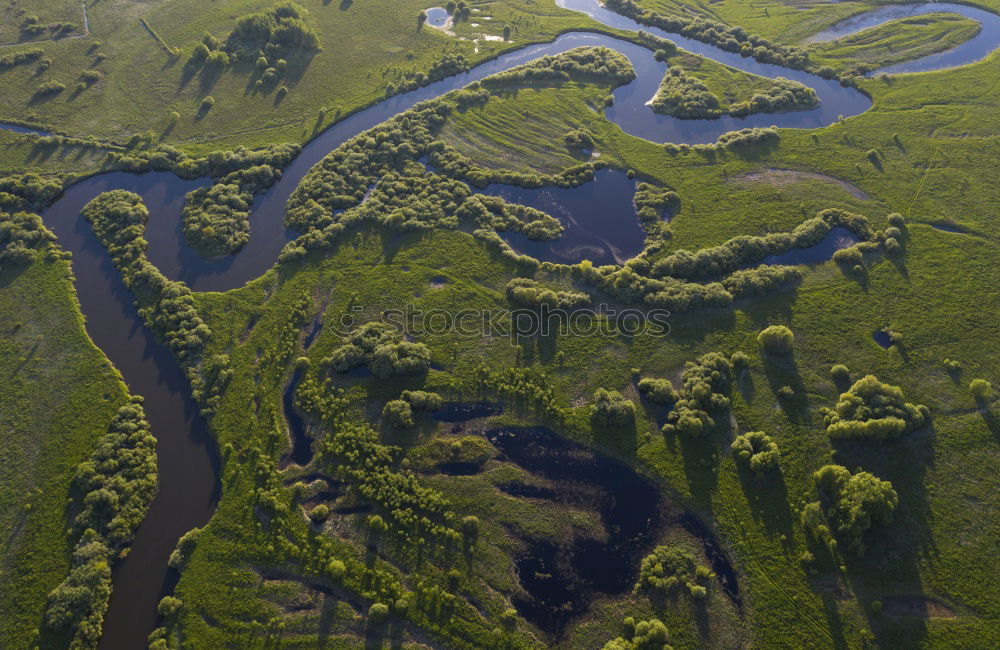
x: 849, y: 505
x: 652, y: 201
x: 747, y: 137
x: 417, y: 512
x: 18, y: 192
x: 47, y: 88
x: 611, y: 408
x: 757, y: 451
x: 782, y: 95
x: 525, y: 292
x: 380, y: 347
x: 871, y: 409
x: 118, y: 219
x: 669, y: 568
x: 272, y: 32
x: 448, y: 65
x: 685, y: 96
x: 705, y: 391
x: 117, y: 485
x: 215, y: 165
x: 578, y: 140
x: 726, y: 37
x: 657, y: 390
x: 21, y: 234
x: 20, y: 58
x: 528, y: 386
x: 749, y: 249
x: 216, y: 219
x: 641, y: 635
x: 595, y: 64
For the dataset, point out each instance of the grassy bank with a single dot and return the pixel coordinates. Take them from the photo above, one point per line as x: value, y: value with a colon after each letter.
x: 58, y: 394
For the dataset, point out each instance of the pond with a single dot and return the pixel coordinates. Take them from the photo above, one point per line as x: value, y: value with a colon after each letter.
x: 561, y: 578
x: 838, y: 238
x: 599, y: 218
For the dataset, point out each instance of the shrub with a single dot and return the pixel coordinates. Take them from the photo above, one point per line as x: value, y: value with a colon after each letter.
x: 422, y: 400
x: 644, y: 635
x: 320, y: 513
x: 49, y: 88
x: 579, y: 139
x: 611, y: 408
x: 871, y: 409
x: 336, y: 569
x: 378, y: 613
x: 776, y: 339
x: 185, y: 546
x: 840, y: 373
x: 398, y: 413
x: 658, y: 391
x: 981, y: 389
x: 757, y: 450
x: 169, y: 606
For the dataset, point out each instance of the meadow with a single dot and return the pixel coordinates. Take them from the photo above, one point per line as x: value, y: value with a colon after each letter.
x: 355, y: 510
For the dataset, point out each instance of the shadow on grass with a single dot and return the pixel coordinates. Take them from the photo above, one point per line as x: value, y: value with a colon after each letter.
x: 767, y: 497
x: 786, y: 383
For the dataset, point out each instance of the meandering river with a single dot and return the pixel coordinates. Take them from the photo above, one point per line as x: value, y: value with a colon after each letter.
x: 188, y: 464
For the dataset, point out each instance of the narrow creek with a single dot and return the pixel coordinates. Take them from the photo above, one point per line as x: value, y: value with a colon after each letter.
x: 188, y: 461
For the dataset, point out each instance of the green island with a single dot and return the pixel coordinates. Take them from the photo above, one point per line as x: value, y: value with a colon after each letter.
x: 499, y: 324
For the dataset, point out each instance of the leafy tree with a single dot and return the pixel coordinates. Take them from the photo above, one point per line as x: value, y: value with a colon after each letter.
x: 705, y: 390
x: 853, y: 503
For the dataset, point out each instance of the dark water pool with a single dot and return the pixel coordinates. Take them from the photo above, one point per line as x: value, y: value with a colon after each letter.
x: 599, y: 218
x: 883, y: 338
x: 561, y: 578
x: 835, y: 240
x: 302, y: 452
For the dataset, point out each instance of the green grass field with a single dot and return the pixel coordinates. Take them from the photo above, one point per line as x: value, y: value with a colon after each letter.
x: 363, y: 49
x: 788, y: 21
x: 899, y: 40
